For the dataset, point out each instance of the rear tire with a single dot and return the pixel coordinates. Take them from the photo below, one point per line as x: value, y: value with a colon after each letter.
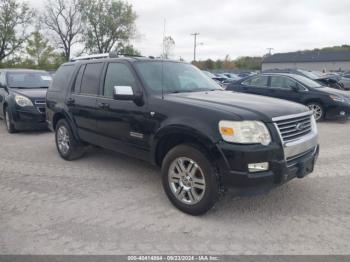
x: 67, y: 145
x: 190, y: 180
x: 8, y: 121
x: 317, y: 110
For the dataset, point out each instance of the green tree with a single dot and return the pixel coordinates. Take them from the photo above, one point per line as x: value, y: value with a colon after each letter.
x: 209, y: 64
x: 14, y: 21
x: 39, y: 49
x: 63, y: 19
x: 109, y: 24
x: 128, y: 50
x: 247, y: 62
x: 168, y: 47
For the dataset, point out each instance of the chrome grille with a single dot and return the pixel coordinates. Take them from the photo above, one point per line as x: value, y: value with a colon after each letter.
x: 40, y: 105
x: 40, y: 102
x: 294, y: 128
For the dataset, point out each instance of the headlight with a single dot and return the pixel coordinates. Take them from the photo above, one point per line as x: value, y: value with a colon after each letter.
x: 23, y: 101
x: 245, y: 132
x: 337, y: 98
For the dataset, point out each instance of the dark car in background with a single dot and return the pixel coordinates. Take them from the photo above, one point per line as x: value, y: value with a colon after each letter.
x: 22, y: 98
x: 325, y: 102
x: 325, y: 80
x: 345, y: 80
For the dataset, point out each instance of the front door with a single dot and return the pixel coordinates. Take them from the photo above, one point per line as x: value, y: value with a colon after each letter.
x: 283, y: 87
x: 123, y: 124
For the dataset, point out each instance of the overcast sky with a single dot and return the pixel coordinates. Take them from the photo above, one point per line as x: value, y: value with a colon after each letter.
x: 239, y: 28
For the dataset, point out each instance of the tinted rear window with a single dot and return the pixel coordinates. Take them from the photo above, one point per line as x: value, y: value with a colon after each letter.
x: 91, y: 79
x: 62, y: 78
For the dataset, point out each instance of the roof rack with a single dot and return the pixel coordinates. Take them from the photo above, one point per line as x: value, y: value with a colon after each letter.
x: 101, y: 56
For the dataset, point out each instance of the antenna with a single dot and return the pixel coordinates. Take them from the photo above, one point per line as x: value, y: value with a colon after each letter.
x: 163, y: 58
x: 164, y: 33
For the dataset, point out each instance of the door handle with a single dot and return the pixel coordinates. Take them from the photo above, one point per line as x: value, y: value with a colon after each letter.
x: 71, y: 101
x: 101, y: 105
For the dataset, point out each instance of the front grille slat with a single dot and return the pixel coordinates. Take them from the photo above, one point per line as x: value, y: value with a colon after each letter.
x: 284, y: 132
x: 294, y: 128
x: 40, y: 105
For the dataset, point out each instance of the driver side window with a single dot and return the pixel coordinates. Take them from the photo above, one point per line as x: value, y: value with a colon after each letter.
x: 117, y: 74
x: 282, y: 82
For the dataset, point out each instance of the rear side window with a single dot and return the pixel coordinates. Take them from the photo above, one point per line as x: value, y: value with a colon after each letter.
x: 62, y: 78
x: 259, y: 81
x: 2, y: 79
x: 90, y: 82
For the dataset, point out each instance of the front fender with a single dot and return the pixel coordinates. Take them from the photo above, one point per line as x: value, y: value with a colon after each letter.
x: 200, y: 132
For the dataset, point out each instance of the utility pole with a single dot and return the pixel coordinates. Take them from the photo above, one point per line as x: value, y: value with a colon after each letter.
x: 163, y: 52
x: 195, y: 45
x: 270, y: 50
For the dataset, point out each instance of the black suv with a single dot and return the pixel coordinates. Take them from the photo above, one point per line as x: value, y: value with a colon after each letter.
x: 173, y: 115
x: 325, y: 102
x: 22, y: 98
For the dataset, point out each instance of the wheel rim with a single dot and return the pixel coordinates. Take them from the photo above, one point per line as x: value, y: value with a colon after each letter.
x: 186, y: 180
x: 63, y: 140
x: 7, y: 120
x: 316, y: 110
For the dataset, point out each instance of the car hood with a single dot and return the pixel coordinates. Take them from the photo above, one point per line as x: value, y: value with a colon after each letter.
x: 244, y: 106
x: 333, y: 91
x: 31, y: 93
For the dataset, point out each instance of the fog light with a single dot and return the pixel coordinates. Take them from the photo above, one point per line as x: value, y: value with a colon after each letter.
x: 342, y: 113
x: 258, y: 167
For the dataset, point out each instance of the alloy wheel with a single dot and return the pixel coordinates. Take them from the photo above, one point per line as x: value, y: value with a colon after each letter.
x: 186, y: 180
x: 316, y: 110
x: 63, y: 140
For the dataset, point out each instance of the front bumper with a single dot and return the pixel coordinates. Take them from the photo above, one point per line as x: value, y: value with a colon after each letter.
x: 338, y: 112
x: 286, y: 161
x: 29, y: 119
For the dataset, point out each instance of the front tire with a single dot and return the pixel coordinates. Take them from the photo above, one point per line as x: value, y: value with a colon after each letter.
x: 67, y: 145
x: 317, y: 110
x: 8, y: 122
x: 189, y: 180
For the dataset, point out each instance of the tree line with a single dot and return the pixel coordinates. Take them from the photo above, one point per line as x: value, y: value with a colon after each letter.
x: 45, y: 39
x: 246, y: 62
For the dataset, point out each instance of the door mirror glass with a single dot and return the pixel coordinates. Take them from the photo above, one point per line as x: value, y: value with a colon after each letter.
x: 123, y: 93
x: 295, y: 87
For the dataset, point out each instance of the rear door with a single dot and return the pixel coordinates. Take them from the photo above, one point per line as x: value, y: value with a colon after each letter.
x: 2, y: 91
x: 83, y: 99
x: 257, y: 85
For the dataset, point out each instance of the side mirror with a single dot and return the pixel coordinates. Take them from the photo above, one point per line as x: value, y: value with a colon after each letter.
x: 295, y: 88
x: 123, y: 93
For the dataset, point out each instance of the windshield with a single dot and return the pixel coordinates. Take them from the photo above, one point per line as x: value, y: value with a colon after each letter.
x: 28, y: 80
x: 307, y: 82
x: 174, y: 77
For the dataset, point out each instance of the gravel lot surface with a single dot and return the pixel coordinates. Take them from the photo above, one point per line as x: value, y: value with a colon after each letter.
x: 106, y: 203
